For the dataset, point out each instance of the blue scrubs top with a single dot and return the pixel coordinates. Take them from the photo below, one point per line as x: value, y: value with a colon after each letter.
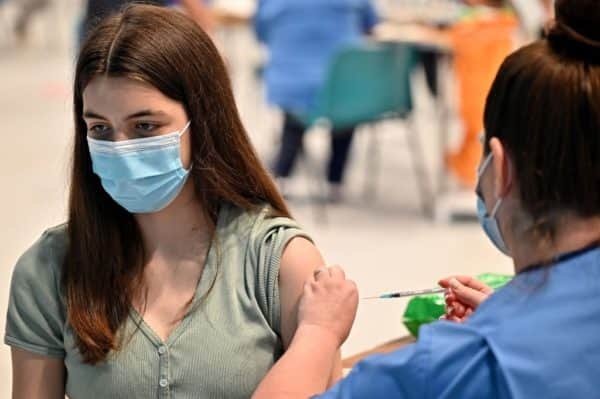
x: 538, y: 337
x: 302, y: 37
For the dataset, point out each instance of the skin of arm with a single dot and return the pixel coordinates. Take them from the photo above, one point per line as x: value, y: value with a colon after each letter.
x: 36, y: 376
x: 299, y: 261
x: 325, y: 316
x: 302, y: 371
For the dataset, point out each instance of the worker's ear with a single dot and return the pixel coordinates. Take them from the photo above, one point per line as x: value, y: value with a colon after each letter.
x: 503, y: 169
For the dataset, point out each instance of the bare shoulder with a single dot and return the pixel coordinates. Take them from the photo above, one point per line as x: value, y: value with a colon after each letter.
x: 300, y: 258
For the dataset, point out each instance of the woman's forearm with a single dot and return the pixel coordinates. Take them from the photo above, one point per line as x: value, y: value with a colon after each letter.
x: 305, y: 368
x: 337, y: 372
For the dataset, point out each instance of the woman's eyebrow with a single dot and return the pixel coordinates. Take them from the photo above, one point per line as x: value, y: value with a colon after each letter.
x: 93, y: 115
x: 146, y: 113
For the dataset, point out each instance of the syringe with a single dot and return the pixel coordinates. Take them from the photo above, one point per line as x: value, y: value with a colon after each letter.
x: 403, y: 294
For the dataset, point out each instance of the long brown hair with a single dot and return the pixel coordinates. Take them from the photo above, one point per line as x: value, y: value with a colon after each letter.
x: 105, y: 260
x: 544, y: 106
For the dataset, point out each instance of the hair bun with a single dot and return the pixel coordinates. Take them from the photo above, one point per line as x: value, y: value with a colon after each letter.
x: 575, y: 29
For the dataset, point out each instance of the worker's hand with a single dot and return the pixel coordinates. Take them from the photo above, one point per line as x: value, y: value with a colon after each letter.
x: 329, y: 303
x: 463, y: 296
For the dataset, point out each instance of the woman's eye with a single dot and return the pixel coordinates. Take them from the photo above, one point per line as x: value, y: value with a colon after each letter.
x: 146, y: 127
x: 99, y: 130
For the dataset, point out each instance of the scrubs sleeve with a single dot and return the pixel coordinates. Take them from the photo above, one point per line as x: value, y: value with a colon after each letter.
x: 399, y: 375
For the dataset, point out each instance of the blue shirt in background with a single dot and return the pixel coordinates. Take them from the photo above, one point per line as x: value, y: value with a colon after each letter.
x: 302, y: 37
x: 538, y: 337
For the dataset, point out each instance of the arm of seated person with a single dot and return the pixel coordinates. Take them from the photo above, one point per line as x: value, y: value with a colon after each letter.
x: 36, y: 376
x: 299, y: 261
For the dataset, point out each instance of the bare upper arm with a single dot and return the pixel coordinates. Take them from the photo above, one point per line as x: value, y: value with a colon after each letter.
x: 36, y: 376
x: 299, y: 260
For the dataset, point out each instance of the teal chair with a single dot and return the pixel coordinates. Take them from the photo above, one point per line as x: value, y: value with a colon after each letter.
x: 366, y: 84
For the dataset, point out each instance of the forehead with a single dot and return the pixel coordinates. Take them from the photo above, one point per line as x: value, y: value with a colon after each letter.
x: 118, y: 96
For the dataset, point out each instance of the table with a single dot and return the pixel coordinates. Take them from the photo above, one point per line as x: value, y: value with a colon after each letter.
x: 229, y: 17
x: 433, y: 13
x: 413, y: 33
x: 388, y: 347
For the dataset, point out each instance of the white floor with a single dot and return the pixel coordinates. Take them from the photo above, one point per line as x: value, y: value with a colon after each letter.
x: 384, y: 243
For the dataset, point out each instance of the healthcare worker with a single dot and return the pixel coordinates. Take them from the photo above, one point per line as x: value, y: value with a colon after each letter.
x: 539, y: 203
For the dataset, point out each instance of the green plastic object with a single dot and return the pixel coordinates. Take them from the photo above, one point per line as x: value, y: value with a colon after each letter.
x: 428, y: 308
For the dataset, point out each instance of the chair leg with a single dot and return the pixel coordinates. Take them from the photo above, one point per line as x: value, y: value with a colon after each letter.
x: 443, y: 114
x: 373, y: 163
x: 6, y: 25
x: 418, y: 161
x: 318, y: 186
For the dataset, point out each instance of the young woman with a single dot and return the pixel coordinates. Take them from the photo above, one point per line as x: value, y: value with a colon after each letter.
x: 179, y: 270
x: 539, y: 202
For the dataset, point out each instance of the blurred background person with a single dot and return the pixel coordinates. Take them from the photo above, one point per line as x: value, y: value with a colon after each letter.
x: 480, y: 41
x: 96, y: 10
x: 27, y: 10
x: 302, y: 36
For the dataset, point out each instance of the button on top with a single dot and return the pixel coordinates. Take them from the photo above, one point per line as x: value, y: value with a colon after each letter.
x: 163, y: 383
x: 162, y: 350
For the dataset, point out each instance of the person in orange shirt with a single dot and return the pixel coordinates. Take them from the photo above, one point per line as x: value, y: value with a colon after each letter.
x: 480, y: 43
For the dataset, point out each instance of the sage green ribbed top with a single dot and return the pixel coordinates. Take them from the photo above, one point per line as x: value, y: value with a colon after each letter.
x: 223, y: 347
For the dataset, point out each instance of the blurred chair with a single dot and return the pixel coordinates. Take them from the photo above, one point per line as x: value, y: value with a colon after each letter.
x: 365, y: 85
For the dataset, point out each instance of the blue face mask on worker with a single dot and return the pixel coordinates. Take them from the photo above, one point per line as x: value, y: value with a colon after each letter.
x: 142, y: 175
x: 488, y: 222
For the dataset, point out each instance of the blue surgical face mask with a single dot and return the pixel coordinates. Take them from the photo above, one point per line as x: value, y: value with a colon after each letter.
x: 142, y: 175
x: 488, y: 222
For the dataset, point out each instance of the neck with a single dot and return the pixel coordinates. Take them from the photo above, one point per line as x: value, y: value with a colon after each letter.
x: 572, y: 234
x: 177, y: 232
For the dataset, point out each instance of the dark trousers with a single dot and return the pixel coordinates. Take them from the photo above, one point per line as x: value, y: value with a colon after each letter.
x: 292, y: 145
x: 429, y: 59
x: 27, y: 9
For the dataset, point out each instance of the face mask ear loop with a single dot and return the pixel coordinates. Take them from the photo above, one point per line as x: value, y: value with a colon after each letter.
x: 181, y: 134
x: 496, y: 207
x: 485, y: 164
x: 185, y: 129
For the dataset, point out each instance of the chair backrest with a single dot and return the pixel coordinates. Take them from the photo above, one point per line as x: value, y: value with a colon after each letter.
x: 366, y: 83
